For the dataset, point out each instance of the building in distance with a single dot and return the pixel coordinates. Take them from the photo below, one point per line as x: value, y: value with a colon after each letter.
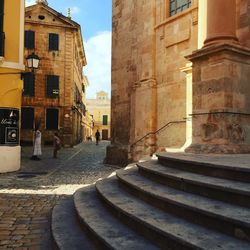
x: 100, y: 109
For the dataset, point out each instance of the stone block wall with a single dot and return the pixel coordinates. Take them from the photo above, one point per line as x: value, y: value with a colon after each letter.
x: 176, y: 37
x: 63, y: 63
x: 243, y: 20
x: 148, y: 87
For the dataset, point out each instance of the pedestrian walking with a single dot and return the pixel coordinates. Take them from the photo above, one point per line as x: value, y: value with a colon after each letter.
x: 56, y: 144
x: 97, y: 137
x: 37, y: 150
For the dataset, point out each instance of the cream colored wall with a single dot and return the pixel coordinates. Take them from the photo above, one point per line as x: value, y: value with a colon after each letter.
x: 88, y: 125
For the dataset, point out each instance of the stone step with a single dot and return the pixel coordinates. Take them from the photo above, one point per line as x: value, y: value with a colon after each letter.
x: 206, y: 165
x: 167, y: 230
x: 108, y: 231
x: 230, y: 219
x: 66, y: 230
x: 234, y: 192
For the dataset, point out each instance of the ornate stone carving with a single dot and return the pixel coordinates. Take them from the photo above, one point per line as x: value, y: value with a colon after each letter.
x: 235, y: 133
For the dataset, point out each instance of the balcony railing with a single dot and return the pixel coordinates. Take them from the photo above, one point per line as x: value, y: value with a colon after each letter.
x: 2, y: 41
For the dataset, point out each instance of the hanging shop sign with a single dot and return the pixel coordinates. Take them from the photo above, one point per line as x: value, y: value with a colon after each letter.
x: 9, y: 126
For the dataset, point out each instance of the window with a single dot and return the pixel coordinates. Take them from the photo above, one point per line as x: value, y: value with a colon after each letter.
x: 29, y: 85
x: 27, y: 118
x: 53, y: 41
x: 52, y: 118
x: 52, y: 86
x: 2, y: 35
x: 29, y: 39
x: 77, y: 96
x: 177, y: 6
x: 104, y: 120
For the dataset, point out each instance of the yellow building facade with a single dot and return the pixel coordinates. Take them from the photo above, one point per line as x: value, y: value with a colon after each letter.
x: 11, y: 66
x: 100, y: 109
x: 88, y: 124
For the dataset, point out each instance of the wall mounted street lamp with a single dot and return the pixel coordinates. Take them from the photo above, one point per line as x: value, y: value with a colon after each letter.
x: 32, y: 63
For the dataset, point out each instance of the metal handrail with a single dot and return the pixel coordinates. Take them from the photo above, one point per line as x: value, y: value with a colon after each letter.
x: 158, y: 130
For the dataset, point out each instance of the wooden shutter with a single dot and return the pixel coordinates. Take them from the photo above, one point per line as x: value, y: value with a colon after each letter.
x: 104, y: 120
x: 29, y: 85
x: 2, y: 35
x: 27, y: 118
x: 29, y: 39
x: 53, y: 41
x: 52, y: 118
x: 52, y: 87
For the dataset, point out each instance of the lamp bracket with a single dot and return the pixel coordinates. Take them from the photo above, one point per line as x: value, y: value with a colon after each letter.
x: 23, y: 74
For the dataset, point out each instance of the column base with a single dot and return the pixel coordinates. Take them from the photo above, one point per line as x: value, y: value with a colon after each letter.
x: 10, y: 158
x: 218, y: 149
x: 117, y: 155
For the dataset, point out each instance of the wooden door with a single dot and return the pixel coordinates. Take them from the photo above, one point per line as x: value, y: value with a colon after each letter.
x: 105, y: 134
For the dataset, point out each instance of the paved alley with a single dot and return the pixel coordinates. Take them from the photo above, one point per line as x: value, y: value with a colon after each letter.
x: 28, y: 196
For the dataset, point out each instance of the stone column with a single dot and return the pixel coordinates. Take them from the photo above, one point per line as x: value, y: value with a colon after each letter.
x: 221, y: 21
x: 221, y: 91
x: 189, y: 103
x: 202, y: 23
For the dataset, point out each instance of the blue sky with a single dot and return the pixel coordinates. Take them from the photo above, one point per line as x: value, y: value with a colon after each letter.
x: 95, y: 20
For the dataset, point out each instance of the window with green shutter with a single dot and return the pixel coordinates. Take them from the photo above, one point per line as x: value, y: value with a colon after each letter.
x: 29, y: 85
x: 2, y: 35
x: 27, y: 118
x: 29, y: 39
x: 52, y: 86
x: 104, y: 120
x: 52, y: 118
x: 53, y: 41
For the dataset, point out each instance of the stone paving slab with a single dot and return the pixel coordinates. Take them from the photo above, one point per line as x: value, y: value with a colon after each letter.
x: 28, y: 195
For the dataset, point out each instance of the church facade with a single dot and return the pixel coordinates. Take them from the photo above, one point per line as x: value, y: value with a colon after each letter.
x: 180, y: 74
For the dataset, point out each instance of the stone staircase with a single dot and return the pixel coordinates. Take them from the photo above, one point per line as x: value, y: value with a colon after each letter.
x: 169, y: 203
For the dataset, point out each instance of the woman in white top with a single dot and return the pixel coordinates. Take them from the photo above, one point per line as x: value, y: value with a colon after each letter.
x: 37, y: 151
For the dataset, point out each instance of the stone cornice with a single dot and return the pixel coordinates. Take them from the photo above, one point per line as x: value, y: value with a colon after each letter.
x: 32, y: 22
x: 176, y: 17
x: 220, y: 47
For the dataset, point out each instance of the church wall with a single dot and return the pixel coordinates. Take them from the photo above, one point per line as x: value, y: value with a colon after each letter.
x: 243, y: 20
x: 176, y: 37
x: 149, y: 85
x: 123, y: 75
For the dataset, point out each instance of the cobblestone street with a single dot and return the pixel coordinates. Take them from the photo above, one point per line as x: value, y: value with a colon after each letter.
x: 28, y: 196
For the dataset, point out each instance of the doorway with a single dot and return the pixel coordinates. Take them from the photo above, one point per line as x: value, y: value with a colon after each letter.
x: 105, y: 134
